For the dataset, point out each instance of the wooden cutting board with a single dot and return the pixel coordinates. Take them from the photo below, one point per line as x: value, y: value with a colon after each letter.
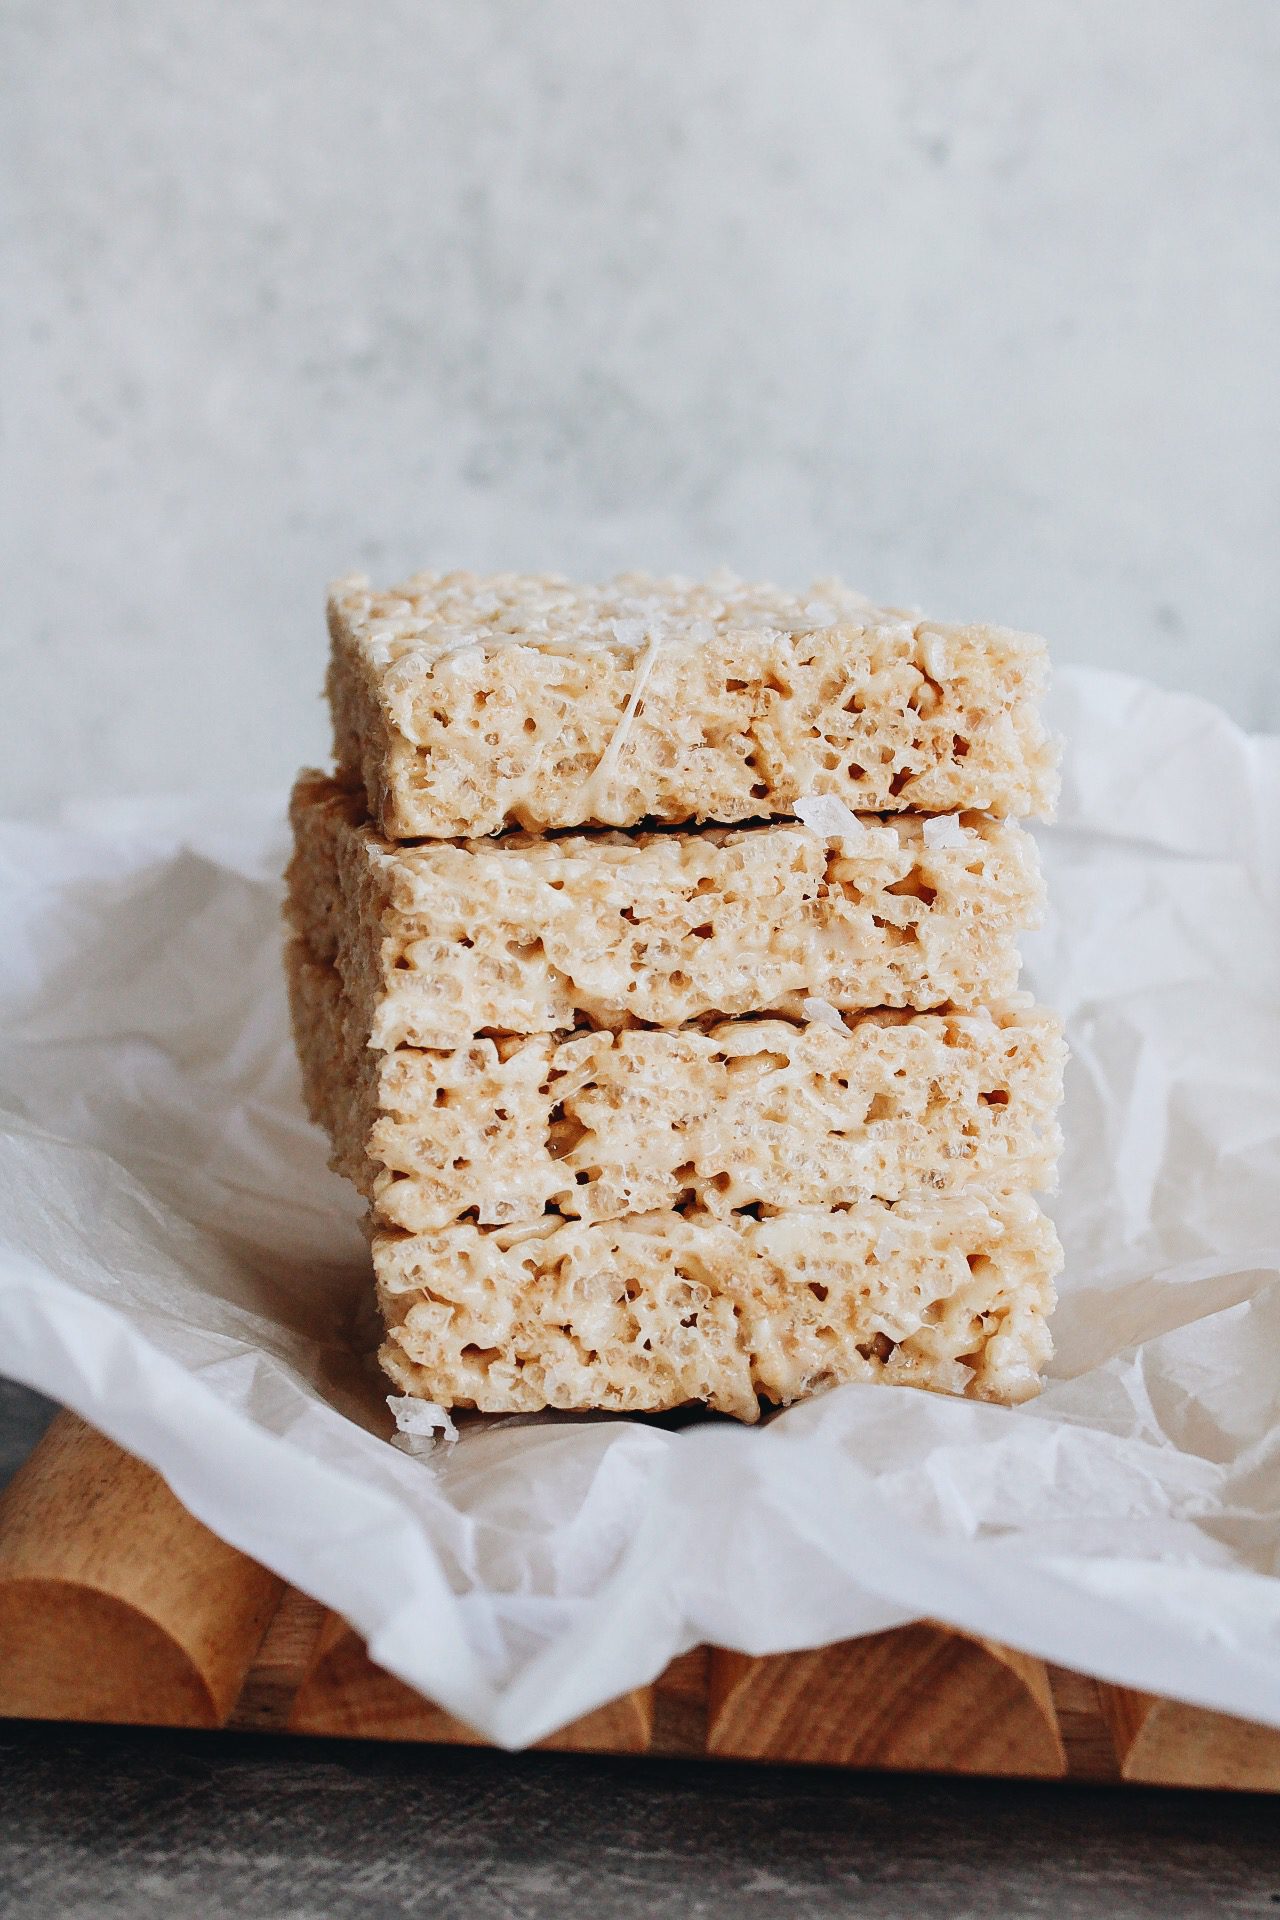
x: 116, y: 1605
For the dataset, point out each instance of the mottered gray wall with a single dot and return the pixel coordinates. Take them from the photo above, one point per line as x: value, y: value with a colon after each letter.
x: 974, y: 303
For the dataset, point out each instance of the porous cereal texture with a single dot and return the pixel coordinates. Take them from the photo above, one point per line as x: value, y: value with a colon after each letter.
x: 660, y: 1310
x: 740, y: 1113
x: 464, y: 704
x: 439, y: 942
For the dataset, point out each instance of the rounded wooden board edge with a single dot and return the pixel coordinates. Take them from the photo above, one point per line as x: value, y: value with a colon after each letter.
x: 1169, y: 1743
x: 70, y: 1652
x: 97, y: 1553
x: 344, y: 1693
x: 920, y: 1698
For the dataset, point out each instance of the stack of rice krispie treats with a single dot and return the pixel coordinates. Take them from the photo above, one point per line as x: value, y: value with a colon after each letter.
x: 653, y: 968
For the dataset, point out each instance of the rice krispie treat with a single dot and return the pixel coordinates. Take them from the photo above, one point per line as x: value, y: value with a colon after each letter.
x: 444, y: 940
x: 465, y: 704
x: 657, y: 1310
x: 654, y: 972
x: 598, y: 1124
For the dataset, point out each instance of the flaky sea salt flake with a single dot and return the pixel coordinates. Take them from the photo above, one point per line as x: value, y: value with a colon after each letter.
x: 630, y: 633
x: 944, y: 830
x: 829, y: 817
x: 421, y: 1426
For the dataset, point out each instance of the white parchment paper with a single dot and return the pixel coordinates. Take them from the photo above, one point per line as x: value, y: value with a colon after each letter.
x: 178, y: 1265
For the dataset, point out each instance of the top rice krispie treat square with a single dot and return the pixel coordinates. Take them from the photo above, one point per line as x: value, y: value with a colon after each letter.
x: 467, y: 704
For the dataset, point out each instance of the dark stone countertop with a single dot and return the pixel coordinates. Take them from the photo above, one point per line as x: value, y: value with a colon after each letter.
x: 121, y: 1823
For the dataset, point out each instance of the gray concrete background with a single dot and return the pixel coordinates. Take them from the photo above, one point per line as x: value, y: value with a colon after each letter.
x: 974, y: 303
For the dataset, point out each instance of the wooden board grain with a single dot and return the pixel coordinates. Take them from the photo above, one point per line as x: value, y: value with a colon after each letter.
x: 919, y: 1699
x: 1171, y: 1744
x: 342, y: 1692
x: 117, y: 1605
